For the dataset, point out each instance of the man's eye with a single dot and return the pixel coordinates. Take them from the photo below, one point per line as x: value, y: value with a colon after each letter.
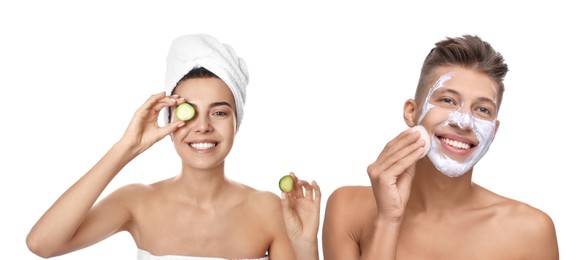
x: 484, y: 113
x: 447, y: 100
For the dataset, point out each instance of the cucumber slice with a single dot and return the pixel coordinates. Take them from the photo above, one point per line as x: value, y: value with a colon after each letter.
x: 185, y: 112
x: 287, y: 183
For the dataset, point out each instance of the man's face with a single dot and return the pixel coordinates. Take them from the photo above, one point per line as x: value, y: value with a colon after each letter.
x: 460, y: 112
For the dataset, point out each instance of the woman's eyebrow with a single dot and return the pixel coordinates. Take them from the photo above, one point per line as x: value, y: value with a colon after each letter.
x: 215, y: 104
x: 220, y: 103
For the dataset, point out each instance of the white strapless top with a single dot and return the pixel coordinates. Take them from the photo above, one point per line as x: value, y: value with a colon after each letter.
x: 144, y: 255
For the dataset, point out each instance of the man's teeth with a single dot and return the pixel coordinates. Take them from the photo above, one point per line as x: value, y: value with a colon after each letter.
x: 202, y: 145
x: 456, y: 144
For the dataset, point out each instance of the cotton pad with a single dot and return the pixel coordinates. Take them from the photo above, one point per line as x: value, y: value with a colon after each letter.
x: 425, y: 136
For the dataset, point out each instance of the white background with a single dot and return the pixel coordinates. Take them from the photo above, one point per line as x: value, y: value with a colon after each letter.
x: 327, y: 86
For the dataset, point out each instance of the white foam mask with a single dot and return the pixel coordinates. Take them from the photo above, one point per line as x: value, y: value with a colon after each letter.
x: 483, y: 129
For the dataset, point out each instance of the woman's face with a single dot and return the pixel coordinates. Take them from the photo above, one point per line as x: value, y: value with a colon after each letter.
x: 205, y: 141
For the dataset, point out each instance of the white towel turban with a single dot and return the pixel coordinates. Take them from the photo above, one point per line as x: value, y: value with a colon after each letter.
x: 200, y: 50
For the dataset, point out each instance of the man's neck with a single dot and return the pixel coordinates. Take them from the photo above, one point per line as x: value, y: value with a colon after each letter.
x: 432, y: 191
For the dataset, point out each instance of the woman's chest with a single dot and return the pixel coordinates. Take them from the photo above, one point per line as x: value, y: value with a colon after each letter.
x: 196, y: 232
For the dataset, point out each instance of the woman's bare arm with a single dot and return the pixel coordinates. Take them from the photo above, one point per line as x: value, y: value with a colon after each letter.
x: 72, y: 222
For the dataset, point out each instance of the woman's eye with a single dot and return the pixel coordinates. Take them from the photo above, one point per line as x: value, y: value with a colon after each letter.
x: 219, y: 113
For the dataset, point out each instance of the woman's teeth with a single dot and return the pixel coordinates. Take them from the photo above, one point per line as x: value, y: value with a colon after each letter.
x: 201, y: 146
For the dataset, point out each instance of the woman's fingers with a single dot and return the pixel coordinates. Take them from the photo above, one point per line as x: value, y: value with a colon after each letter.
x: 303, y: 190
x: 317, y: 191
x: 169, y: 128
x: 151, y: 101
x: 168, y: 102
x: 309, y: 191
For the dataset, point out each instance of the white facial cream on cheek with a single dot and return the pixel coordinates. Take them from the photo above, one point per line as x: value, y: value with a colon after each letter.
x: 483, y: 129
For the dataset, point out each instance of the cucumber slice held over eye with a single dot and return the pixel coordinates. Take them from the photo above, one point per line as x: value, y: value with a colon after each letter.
x: 185, y: 112
x: 286, y: 183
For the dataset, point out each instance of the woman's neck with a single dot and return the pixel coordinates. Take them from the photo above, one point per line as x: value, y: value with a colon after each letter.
x: 201, y: 186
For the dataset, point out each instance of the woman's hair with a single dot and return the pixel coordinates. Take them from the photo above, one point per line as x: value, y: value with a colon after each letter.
x: 467, y: 51
x: 200, y: 72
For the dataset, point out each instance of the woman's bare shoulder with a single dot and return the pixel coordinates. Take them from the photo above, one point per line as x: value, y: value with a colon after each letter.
x: 135, y: 193
x: 253, y: 198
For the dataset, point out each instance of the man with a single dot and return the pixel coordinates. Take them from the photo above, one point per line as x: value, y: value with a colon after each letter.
x: 428, y: 207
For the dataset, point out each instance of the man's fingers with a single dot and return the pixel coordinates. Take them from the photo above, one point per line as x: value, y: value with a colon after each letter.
x: 398, y: 159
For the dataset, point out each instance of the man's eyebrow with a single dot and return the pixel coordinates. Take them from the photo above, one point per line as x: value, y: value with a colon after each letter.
x: 486, y: 100
x: 446, y: 90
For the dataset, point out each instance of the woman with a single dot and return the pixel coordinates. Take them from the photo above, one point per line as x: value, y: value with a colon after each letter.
x: 198, y: 214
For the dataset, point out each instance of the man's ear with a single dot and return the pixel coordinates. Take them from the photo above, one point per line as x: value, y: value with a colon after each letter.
x: 496, y: 130
x: 410, y: 109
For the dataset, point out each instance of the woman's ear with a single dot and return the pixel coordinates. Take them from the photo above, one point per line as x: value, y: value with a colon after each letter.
x: 410, y: 109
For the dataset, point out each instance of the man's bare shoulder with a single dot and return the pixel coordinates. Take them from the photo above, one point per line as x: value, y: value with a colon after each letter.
x: 531, y: 229
x: 352, y: 203
x: 509, y: 209
x: 522, y: 217
x: 349, y: 214
x: 352, y: 195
